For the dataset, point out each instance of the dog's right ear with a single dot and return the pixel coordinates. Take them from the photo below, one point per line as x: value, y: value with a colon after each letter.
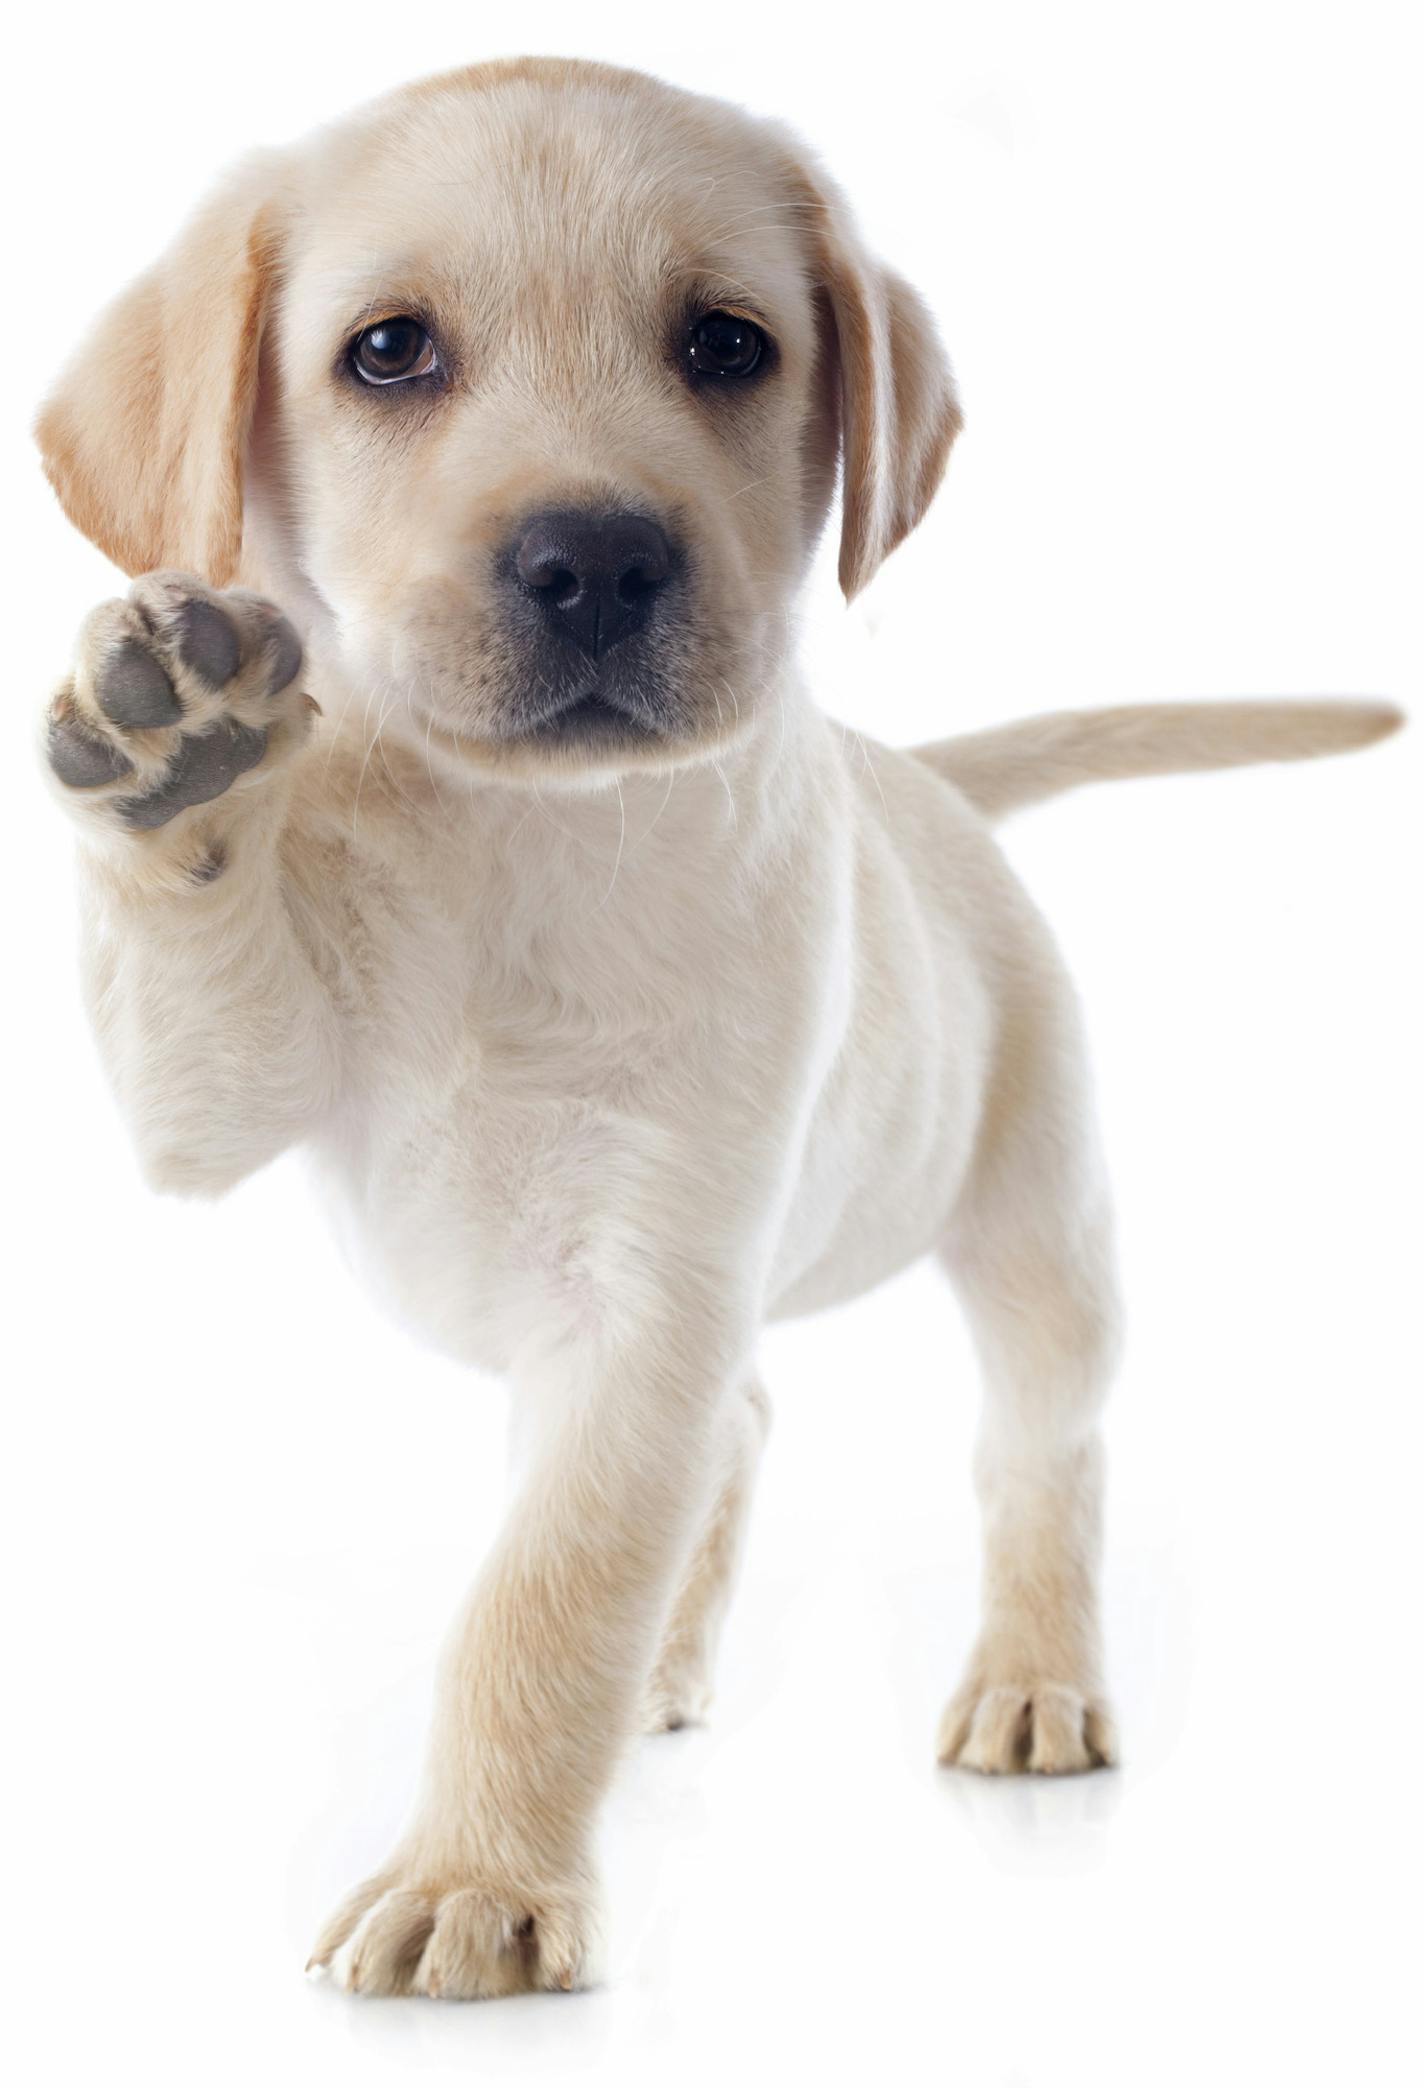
x: 143, y: 438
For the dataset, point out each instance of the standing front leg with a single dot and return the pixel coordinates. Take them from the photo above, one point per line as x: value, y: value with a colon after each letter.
x: 491, y: 1890
x: 1030, y: 1255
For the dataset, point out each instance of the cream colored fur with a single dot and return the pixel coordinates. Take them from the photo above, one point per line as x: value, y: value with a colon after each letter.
x: 602, y: 1064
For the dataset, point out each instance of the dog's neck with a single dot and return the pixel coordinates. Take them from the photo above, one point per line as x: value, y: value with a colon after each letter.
x: 581, y: 927
x: 736, y: 802
x: 621, y: 896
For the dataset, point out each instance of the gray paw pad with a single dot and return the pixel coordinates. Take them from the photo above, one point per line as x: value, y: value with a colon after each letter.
x: 80, y: 760
x: 134, y: 691
x: 206, y: 764
x: 207, y: 643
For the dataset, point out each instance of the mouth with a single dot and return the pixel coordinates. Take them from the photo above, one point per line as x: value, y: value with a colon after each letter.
x: 589, y: 717
x: 591, y: 724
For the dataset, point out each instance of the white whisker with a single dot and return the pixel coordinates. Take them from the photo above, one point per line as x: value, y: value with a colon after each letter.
x: 622, y: 835
x: 643, y: 838
x: 731, y: 801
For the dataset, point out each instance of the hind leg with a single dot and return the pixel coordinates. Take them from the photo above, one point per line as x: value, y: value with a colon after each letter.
x: 679, y: 1688
x: 1030, y: 1256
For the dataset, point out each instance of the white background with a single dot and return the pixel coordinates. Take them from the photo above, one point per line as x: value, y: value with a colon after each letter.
x: 1175, y: 252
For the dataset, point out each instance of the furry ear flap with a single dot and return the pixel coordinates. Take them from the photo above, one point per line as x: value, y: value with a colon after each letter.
x: 898, y: 409
x: 143, y: 438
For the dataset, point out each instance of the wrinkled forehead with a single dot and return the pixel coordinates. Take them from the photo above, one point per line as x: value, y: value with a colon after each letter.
x: 510, y: 196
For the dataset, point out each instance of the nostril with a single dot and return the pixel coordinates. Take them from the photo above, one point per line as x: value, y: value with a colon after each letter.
x: 558, y: 582
x: 541, y: 567
x: 637, y: 582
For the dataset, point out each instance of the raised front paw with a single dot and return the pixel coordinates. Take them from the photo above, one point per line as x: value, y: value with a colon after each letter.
x: 455, y: 1931
x: 179, y: 693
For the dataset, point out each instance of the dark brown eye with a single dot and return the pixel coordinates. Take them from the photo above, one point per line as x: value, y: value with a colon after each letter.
x: 392, y: 350
x: 719, y: 344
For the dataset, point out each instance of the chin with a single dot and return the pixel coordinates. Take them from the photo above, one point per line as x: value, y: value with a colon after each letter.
x: 580, y: 730
x: 590, y: 746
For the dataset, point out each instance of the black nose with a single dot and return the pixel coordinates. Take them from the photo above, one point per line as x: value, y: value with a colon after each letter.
x: 594, y: 576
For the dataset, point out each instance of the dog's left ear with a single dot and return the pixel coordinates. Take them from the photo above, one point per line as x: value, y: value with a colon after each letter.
x: 899, y: 413
x: 144, y: 437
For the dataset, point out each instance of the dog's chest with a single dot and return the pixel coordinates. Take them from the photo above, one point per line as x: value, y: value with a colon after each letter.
x: 543, y: 1072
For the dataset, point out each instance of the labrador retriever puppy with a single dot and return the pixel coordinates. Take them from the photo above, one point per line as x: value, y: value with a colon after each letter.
x: 508, y: 868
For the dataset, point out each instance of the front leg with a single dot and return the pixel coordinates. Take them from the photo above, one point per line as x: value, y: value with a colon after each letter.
x: 491, y: 1890
x: 174, y: 744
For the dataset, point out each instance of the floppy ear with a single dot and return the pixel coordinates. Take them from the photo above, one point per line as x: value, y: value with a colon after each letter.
x: 144, y: 436
x: 898, y: 409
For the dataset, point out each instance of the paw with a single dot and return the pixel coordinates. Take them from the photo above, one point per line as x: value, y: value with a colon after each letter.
x: 1040, y: 1727
x: 445, y: 1932
x: 178, y: 694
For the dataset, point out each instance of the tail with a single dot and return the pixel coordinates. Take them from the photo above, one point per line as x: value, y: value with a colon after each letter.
x: 1015, y: 765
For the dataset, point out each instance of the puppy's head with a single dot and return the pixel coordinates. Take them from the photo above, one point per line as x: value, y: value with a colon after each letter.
x: 529, y: 385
